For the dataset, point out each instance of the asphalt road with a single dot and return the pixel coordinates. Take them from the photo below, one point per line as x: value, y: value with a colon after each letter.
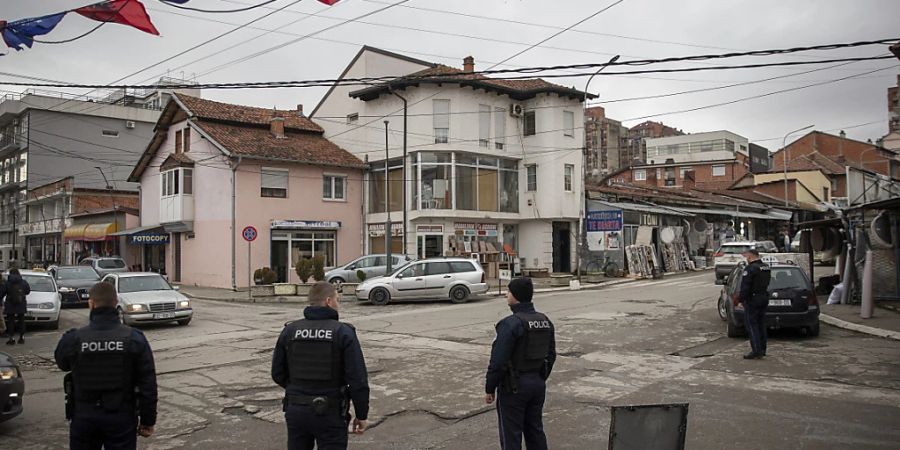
x: 637, y: 343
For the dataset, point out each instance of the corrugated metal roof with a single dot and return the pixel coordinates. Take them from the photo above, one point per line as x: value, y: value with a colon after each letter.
x: 639, y: 207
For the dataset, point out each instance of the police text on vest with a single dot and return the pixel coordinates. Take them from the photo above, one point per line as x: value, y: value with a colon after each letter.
x: 532, y: 324
x: 312, y: 334
x: 105, y: 346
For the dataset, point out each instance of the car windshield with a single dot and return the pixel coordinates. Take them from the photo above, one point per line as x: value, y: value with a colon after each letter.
x: 111, y: 264
x: 787, y: 278
x: 144, y: 283
x: 733, y: 249
x: 398, y: 269
x: 39, y: 283
x: 77, y: 273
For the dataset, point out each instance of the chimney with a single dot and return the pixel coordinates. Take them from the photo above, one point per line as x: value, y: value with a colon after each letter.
x: 300, y: 110
x: 276, y: 126
x: 468, y: 64
x: 843, y: 134
x: 688, y: 182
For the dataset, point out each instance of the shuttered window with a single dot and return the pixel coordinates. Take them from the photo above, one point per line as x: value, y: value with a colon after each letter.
x: 441, y: 121
x: 484, y: 125
x: 274, y: 182
x: 499, y: 128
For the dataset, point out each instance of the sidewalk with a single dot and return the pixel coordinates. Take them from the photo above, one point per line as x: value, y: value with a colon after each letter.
x: 884, y: 322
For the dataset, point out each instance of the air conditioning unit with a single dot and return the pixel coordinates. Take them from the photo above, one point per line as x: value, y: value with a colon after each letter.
x: 129, y: 124
x: 516, y: 110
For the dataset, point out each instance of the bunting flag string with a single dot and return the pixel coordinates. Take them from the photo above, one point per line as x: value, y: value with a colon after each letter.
x: 21, y: 34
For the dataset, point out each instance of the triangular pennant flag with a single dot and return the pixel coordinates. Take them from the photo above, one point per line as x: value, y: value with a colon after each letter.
x: 21, y: 33
x: 329, y: 2
x: 125, y: 12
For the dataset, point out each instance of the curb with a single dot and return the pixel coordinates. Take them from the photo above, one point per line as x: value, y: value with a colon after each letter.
x: 882, y: 333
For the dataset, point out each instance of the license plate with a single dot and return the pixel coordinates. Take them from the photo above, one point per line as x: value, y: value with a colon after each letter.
x: 85, y: 295
x: 168, y: 315
x: 29, y: 316
x: 781, y: 302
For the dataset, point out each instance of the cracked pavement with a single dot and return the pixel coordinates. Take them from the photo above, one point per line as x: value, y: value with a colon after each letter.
x: 654, y: 341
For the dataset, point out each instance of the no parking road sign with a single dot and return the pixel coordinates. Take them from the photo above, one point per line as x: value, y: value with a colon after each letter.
x: 249, y: 234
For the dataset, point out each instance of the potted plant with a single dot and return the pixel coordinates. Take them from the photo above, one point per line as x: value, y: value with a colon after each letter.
x: 318, y: 268
x: 304, y: 269
x: 264, y: 278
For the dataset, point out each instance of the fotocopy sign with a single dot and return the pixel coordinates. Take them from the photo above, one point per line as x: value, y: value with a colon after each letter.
x: 148, y: 239
x: 609, y: 220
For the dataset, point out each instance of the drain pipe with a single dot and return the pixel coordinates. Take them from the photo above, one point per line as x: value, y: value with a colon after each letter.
x: 234, y: 168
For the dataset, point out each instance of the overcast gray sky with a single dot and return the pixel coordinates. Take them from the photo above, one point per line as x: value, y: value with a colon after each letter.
x: 633, y: 28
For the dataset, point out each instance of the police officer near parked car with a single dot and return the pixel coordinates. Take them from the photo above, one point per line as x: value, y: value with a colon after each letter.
x: 319, y: 362
x: 754, y: 295
x: 522, y: 358
x: 111, y: 388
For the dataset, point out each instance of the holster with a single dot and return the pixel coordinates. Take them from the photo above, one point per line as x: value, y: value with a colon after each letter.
x: 512, y: 379
x: 69, y: 390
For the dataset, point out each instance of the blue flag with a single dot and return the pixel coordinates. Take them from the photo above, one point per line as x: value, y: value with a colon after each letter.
x: 22, y: 32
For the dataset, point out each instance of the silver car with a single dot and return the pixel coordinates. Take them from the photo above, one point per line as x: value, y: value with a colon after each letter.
x: 440, y: 278
x: 146, y: 297
x: 105, y: 265
x: 372, y: 265
x: 44, y: 301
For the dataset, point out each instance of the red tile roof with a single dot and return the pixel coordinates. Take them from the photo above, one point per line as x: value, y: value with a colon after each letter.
x: 254, y: 142
x: 244, y: 115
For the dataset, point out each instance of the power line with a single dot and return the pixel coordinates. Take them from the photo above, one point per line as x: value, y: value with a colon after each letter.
x: 102, y: 22
x: 217, y: 11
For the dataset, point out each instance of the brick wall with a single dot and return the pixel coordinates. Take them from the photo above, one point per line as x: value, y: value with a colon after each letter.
x: 839, y: 149
x: 51, y: 188
x: 90, y: 201
x: 703, y: 173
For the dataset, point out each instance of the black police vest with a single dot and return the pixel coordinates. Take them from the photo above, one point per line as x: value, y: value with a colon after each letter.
x: 533, y: 347
x: 759, y: 286
x: 103, y: 368
x: 314, y: 354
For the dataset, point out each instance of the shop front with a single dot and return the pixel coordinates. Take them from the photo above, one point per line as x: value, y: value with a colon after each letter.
x: 147, y: 246
x: 92, y: 239
x: 376, y: 244
x: 294, y: 240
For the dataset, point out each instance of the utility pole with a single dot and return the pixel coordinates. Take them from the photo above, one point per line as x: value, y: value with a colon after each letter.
x: 784, y: 159
x: 582, y: 200
x: 405, y: 175
x: 387, y: 203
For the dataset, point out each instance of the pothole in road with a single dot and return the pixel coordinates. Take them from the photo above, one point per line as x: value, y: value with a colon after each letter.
x: 271, y: 313
x: 31, y: 361
x: 647, y: 302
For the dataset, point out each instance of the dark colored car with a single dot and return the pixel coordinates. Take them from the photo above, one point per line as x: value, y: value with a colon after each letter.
x: 792, y: 301
x: 12, y: 388
x: 74, y: 282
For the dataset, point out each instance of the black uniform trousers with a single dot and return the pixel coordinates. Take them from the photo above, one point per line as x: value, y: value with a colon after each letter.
x: 15, y: 323
x: 755, y: 321
x: 306, y: 429
x: 94, y: 428
x: 522, y: 413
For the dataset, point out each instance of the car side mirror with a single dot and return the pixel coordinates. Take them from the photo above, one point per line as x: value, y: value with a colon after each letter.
x: 721, y: 281
x: 399, y: 275
x: 176, y: 288
x: 350, y: 267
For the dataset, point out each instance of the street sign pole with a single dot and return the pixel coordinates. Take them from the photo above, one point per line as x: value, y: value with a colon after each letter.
x: 249, y: 234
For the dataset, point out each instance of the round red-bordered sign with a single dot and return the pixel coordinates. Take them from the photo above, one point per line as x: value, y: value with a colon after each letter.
x: 249, y: 234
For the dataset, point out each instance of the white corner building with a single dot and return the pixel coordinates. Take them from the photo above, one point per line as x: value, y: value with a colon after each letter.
x: 493, y: 166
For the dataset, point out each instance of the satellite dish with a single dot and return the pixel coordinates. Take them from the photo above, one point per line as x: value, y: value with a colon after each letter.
x: 700, y: 224
x: 880, y: 231
x: 667, y: 235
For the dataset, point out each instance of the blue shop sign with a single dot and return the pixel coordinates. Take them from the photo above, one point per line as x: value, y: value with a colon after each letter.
x: 608, y: 220
x: 148, y: 238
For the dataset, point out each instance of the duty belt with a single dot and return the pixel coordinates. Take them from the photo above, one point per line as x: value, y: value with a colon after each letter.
x: 316, y: 401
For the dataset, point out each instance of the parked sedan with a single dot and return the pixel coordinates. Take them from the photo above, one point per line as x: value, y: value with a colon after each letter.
x: 12, y: 388
x: 792, y: 301
x: 105, y: 265
x: 372, y: 265
x: 439, y: 278
x: 74, y: 282
x: 146, y: 297
x: 43, y: 303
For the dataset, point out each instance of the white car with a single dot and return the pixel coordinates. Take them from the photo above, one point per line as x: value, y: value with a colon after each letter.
x: 146, y: 297
x: 437, y: 278
x: 44, y: 300
x: 730, y: 255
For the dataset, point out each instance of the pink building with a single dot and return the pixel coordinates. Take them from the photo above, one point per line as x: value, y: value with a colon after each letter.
x: 213, y: 169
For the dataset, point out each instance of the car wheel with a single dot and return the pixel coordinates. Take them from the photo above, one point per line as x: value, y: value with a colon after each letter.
x: 337, y: 282
x: 735, y: 331
x: 184, y: 322
x: 380, y: 297
x: 723, y: 312
x: 813, y: 331
x: 459, y: 294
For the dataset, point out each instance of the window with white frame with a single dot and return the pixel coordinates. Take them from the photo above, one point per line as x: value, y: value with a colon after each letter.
x: 176, y: 181
x: 640, y: 175
x: 531, y: 175
x: 569, y: 123
x: 333, y: 187
x: 441, y: 118
x: 684, y: 170
x: 273, y: 182
x: 499, y: 128
x: 484, y: 126
x: 718, y: 170
x: 568, y: 173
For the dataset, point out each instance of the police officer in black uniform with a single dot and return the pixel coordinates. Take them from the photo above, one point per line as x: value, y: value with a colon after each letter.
x: 319, y: 362
x: 754, y: 296
x: 522, y: 358
x: 111, y: 390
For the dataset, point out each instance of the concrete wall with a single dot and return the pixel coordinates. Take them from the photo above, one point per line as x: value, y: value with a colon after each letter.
x: 814, y: 180
x: 741, y: 145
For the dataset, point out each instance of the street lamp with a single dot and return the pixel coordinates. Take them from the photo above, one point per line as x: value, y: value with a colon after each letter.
x: 387, y: 205
x: 582, y: 199
x: 784, y: 159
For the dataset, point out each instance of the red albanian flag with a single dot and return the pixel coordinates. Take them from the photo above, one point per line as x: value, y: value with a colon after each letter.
x: 125, y: 12
x: 329, y: 2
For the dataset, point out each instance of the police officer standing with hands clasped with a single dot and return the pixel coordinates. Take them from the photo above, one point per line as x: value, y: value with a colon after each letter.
x: 522, y: 358
x: 111, y: 388
x: 754, y: 295
x: 319, y: 362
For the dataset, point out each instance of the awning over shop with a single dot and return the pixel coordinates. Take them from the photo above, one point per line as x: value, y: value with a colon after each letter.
x: 639, y: 207
x: 146, y: 235
x: 779, y: 214
x: 131, y: 231
x: 729, y: 213
x: 90, y: 232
